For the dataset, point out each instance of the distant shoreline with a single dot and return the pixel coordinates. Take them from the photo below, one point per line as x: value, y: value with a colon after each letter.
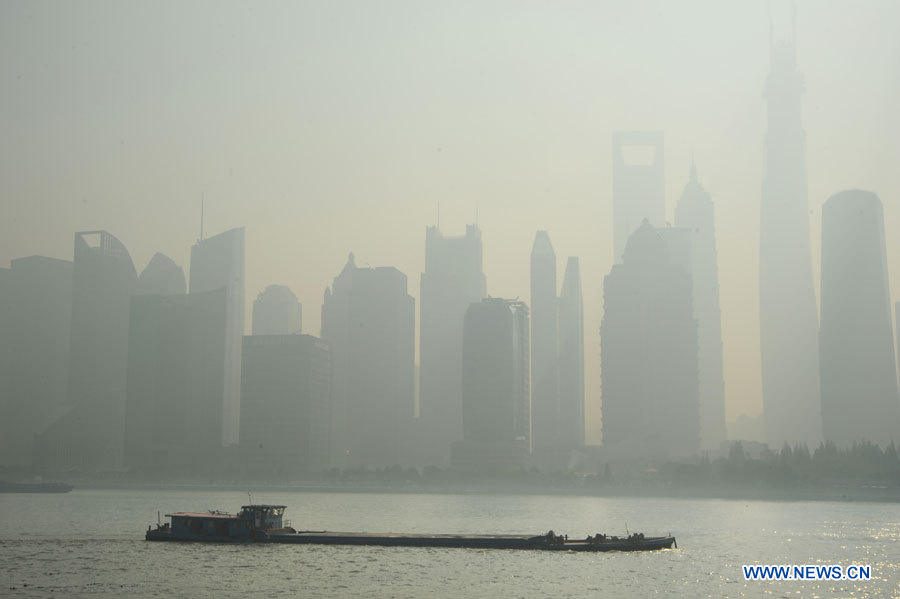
x: 858, y: 493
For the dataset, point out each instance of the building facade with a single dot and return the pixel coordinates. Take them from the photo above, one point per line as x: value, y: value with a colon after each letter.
x: 368, y: 318
x: 856, y: 343
x: 545, y: 416
x: 285, y: 405
x: 90, y: 434
x: 571, y: 358
x: 496, y: 386
x: 639, y: 184
x: 453, y: 279
x: 694, y: 213
x: 787, y: 303
x: 9, y: 452
x: 35, y: 323
x: 218, y: 262
x: 162, y: 277
x: 276, y: 311
x: 648, y: 341
x: 176, y: 351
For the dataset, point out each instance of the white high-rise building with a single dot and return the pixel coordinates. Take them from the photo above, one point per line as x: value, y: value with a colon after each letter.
x: 218, y: 262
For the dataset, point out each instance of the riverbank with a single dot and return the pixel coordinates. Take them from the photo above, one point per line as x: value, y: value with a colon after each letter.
x: 836, y: 492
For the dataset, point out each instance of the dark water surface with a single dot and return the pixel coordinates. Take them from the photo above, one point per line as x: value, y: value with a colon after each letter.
x: 89, y: 543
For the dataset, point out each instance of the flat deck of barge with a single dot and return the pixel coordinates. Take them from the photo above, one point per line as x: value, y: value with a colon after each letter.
x: 541, y: 542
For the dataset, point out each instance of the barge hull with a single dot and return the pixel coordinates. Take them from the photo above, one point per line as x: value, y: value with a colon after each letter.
x: 263, y: 523
x: 445, y: 541
x: 471, y: 542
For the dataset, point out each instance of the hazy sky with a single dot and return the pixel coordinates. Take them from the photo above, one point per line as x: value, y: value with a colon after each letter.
x: 330, y: 127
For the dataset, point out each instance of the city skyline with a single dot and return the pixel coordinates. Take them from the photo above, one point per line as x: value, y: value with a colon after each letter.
x: 463, y: 277
x: 567, y: 191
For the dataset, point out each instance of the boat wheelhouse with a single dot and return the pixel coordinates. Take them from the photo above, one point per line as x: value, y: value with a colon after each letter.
x: 246, y: 525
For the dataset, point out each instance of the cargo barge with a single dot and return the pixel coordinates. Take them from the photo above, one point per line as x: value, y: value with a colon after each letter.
x: 266, y: 524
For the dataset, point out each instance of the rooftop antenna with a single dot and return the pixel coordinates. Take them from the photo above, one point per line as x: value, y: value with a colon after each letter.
x: 439, y: 215
x: 201, y: 215
x: 794, y: 25
x: 250, y: 497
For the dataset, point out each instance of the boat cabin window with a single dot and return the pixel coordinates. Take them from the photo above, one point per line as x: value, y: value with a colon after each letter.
x: 263, y: 516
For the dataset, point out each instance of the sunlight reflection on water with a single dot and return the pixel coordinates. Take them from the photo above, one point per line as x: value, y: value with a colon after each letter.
x: 90, y: 542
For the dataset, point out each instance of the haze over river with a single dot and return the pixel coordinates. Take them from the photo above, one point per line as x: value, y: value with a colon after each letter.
x: 90, y: 543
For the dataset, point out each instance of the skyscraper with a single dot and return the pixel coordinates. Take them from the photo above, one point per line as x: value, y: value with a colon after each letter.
x: 897, y: 331
x: 787, y: 310
x: 36, y: 336
x: 859, y: 374
x: 90, y: 434
x: 695, y: 214
x: 639, y: 184
x: 679, y: 247
x: 176, y: 351
x: 285, y: 404
x: 452, y: 280
x: 571, y: 358
x: 162, y: 276
x: 648, y: 352
x: 7, y: 443
x: 218, y: 262
x: 276, y: 311
x: 496, y: 398
x: 368, y: 318
x: 544, y: 347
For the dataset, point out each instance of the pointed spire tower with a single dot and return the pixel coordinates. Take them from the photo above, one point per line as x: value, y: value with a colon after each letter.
x: 788, y: 316
x: 571, y: 357
x: 694, y: 213
x: 544, y: 349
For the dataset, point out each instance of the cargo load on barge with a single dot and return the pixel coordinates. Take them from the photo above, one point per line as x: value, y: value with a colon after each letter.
x: 263, y: 523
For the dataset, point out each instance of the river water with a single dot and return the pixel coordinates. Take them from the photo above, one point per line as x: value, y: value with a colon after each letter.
x: 89, y: 543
